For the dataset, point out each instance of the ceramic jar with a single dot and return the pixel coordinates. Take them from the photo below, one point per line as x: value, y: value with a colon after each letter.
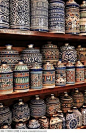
x: 20, y: 14
x: 5, y: 115
x: 85, y: 96
x: 10, y: 56
x: 53, y: 105
x: 48, y: 75
x: 21, y: 112
x: 36, y: 76
x: 39, y: 15
x: 79, y: 72
x: 4, y: 14
x: 66, y: 102
x: 57, y: 16
x: 6, y: 79
x: 33, y: 124
x: 20, y: 125
x: 70, y: 73
x: 72, y: 17
x: 68, y: 53
x: 31, y: 55
x: 5, y: 126
x: 21, y: 77
x: 83, y: 111
x: 50, y: 53
x: 44, y: 122
x: 37, y: 107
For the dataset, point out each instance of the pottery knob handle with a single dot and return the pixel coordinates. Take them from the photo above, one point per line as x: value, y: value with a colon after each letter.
x: 66, y: 44
x: 1, y: 105
x: 20, y: 102
x: 52, y: 96
x: 30, y: 45
x: 65, y: 93
x: 37, y: 97
x: 8, y: 46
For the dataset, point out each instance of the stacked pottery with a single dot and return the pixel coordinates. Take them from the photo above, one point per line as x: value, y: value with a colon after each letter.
x: 21, y: 77
x: 44, y: 122
x: 39, y: 15
x: 6, y: 79
x: 4, y: 14
x: 57, y: 16
x: 20, y: 14
x: 85, y: 96
x: 72, y: 17
x: 50, y: 53
x: 83, y: 111
x: 33, y: 124
x: 5, y: 126
x: 20, y: 125
x: 48, y: 75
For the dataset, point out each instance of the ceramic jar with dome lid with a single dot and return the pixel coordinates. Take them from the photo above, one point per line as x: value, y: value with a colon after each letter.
x: 83, y: 111
x: 33, y: 124
x: 44, y: 122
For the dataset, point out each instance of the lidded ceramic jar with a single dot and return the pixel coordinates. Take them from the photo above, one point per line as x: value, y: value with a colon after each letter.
x: 39, y: 15
x: 66, y: 102
x: 20, y: 125
x: 31, y: 55
x: 5, y: 115
x: 6, y: 79
x: 53, y: 105
x: 21, y: 77
x: 85, y: 96
x: 83, y: 111
x: 36, y: 76
x: 44, y: 122
x: 5, y: 126
x: 21, y: 112
x: 33, y: 124
x: 37, y: 107
x: 50, y: 53
x: 72, y: 17
x: 48, y: 75
x: 57, y: 16
x: 10, y: 56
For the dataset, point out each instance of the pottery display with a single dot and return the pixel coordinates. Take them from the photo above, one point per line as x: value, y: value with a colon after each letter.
x: 53, y: 105
x: 48, y: 75
x: 50, y: 53
x: 72, y: 17
x: 21, y: 77
x: 20, y: 125
x: 5, y: 126
x: 33, y: 124
x: 44, y: 122
x: 83, y: 111
x: 57, y: 16
x: 21, y: 112
x: 39, y: 15
x: 6, y: 79
x: 4, y: 14
x: 85, y: 96
x: 37, y: 107
x: 36, y: 76
x: 20, y: 14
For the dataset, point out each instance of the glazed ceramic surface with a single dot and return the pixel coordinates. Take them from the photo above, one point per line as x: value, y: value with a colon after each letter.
x: 85, y: 96
x: 83, y: 111
x: 60, y: 81
x: 33, y: 124
x: 44, y: 122
x: 85, y: 69
x: 57, y: 16
x: 20, y: 125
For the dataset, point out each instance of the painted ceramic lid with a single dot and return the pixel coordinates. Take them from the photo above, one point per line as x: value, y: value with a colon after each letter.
x: 52, y: 100
x: 77, y: 93
x: 36, y: 66
x: 4, y: 68
x: 66, y: 97
x: 71, y: 3
x: 59, y: 1
x: 69, y: 64
x: 48, y: 66
x: 60, y: 64
x: 83, y: 5
x: 80, y: 48
x: 67, y: 47
x: 79, y: 64
x: 37, y: 101
x: 49, y: 46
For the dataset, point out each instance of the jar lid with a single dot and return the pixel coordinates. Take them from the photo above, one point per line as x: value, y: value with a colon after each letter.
x: 67, y: 47
x: 79, y: 64
x: 49, y: 46
x: 66, y: 97
x: 71, y: 3
x: 37, y: 101
x: 80, y: 48
x: 36, y: 66
x: 21, y: 66
x: 48, y: 66
x: 52, y: 100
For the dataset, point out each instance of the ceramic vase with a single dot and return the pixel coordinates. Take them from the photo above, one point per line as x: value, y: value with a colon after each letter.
x: 6, y: 79
x: 20, y: 125
x: 83, y: 111
x: 21, y: 77
x: 44, y: 122
x: 39, y: 15
x: 20, y: 14
x: 33, y: 124
x: 85, y: 96
x: 48, y: 75
x: 57, y: 16
x: 72, y: 17
x: 5, y: 126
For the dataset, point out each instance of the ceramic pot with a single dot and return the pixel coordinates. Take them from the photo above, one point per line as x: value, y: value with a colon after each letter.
x: 4, y: 14
x: 48, y: 75
x: 5, y: 126
x: 21, y: 112
x: 83, y: 111
x: 85, y: 96
x: 20, y: 14
x: 39, y: 15
x: 44, y: 122
x: 21, y: 77
x: 33, y: 124
x: 6, y: 79
x: 72, y: 17
x: 37, y: 107
x: 20, y: 125
x: 50, y: 53
x: 57, y: 16
x: 53, y: 105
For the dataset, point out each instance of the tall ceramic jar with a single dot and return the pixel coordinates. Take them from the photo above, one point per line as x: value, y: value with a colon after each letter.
x: 36, y: 76
x: 85, y: 96
x: 20, y: 14
x: 33, y: 124
x: 21, y: 77
x: 44, y: 122
x: 50, y: 53
x: 72, y: 17
x: 4, y: 14
x: 53, y: 105
x: 48, y: 75
x: 57, y: 16
x: 6, y: 79
x: 39, y: 15
x: 37, y: 107
x: 83, y: 111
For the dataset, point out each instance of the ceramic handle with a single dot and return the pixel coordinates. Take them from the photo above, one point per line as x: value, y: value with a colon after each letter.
x: 9, y: 47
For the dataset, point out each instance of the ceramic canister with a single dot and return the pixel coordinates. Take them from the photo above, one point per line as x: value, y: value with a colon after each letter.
x: 57, y: 16
x: 20, y: 125
x: 83, y: 111
x: 21, y: 77
x: 72, y: 17
x: 39, y: 15
x: 33, y: 124
x: 4, y: 14
x: 48, y: 75
x: 20, y: 14
x: 6, y: 79
x: 85, y: 96
x: 44, y: 122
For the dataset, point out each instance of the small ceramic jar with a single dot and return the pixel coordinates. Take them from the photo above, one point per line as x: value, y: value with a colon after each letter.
x: 83, y: 111
x: 33, y: 124
x: 85, y: 96
x: 5, y: 126
x: 20, y: 125
x: 44, y: 122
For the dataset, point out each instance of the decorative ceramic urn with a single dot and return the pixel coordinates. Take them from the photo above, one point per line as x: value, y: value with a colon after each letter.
x: 44, y: 122
x: 57, y: 16
x: 20, y: 125
x: 21, y: 77
x: 85, y: 96
x: 33, y: 124
x: 83, y: 111
x: 72, y: 17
